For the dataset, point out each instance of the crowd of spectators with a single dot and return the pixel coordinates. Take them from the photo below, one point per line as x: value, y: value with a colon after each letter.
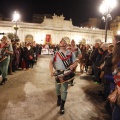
x: 21, y: 57
x: 103, y: 58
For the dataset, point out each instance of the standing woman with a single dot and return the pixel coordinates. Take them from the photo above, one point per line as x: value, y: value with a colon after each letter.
x: 116, y: 64
x: 83, y: 59
x: 5, y: 51
x: 26, y: 55
x: 74, y: 49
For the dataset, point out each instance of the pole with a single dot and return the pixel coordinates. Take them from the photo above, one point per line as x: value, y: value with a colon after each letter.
x: 106, y: 27
x: 16, y: 31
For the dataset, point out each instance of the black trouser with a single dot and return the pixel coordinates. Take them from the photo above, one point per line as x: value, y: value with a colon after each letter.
x: 31, y: 63
x: 27, y: 62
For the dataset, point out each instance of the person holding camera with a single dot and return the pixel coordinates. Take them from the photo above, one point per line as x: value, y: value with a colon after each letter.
x: 5, y: 51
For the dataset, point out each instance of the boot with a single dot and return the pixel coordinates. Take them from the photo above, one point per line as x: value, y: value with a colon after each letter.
x: 59, y: 100
x: 3, y: 82
x: 62, y: 107
x: 71, y: 82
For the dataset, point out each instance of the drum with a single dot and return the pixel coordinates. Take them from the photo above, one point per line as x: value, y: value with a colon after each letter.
x: 64, y: 76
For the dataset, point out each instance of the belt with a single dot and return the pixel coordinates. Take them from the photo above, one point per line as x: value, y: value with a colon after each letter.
x: 59, y: 71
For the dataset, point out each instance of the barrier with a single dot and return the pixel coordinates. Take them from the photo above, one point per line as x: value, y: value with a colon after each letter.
x: 46, y: 51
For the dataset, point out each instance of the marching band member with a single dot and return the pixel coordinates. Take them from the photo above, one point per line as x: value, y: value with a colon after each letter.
x: 59, y: 61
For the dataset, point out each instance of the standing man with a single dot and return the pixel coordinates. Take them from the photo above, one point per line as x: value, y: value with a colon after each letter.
x: 94, y: 56
x: 5, y: 51
x: 60, y: 58
x: 74, y: 49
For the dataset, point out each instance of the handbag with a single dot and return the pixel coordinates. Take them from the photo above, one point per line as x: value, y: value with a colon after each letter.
x: 30, y: 57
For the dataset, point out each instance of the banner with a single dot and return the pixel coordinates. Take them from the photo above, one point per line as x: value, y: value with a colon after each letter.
x: 48, y: 39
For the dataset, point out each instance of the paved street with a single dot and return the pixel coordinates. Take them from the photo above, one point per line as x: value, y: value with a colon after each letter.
x: 30, y: 95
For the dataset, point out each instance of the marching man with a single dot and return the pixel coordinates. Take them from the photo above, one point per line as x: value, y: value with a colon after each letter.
x: 60, y: 61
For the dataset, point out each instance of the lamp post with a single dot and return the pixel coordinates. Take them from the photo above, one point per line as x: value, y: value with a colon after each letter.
x: 106, y: 8
x: 16, y: 19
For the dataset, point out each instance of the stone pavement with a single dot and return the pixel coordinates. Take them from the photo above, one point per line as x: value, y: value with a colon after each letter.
x: 30, y: 95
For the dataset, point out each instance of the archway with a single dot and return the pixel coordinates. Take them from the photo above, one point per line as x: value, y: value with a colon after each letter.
x: 29, y: 38
x: 98, y: 41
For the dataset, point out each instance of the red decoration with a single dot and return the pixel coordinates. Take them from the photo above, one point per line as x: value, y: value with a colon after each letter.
x: 62, y: 58
x: 117, y: 80
x: 48, y: 38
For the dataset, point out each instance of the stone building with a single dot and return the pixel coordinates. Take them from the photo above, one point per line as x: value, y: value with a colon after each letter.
x: 39, y: 18
x: 115, y: 26
x: 52, y: 30
x: 92, y: 23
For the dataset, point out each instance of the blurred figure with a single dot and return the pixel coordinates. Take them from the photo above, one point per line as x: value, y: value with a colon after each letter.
x: 83, y: 59
x: 5, y: 51
x: 94, y: 56
x: 88, y: 55
x: 116, y: 64
x: 74, y: 49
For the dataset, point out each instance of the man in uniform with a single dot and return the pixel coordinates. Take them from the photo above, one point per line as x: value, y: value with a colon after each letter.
x: 58, y: 62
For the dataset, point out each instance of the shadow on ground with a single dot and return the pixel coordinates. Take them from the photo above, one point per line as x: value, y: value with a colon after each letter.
x: 91, y: 92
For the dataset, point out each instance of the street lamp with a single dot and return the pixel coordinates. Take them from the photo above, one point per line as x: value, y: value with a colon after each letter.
x: 16, y: 19
x: 106, y: 8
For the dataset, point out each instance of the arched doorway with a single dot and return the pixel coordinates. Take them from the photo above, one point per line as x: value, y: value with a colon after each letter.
x: 98, y: 41
x: 29, y: 38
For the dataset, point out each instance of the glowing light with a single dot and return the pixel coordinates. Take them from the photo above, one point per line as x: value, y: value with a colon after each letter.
x: 107, y: 6
x: 16, y: 16
x: 118, y: 32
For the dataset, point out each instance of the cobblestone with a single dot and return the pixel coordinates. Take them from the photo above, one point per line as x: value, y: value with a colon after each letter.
x: 30, y: 95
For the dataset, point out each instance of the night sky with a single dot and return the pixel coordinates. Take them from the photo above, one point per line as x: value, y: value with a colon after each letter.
x: 78, y: 10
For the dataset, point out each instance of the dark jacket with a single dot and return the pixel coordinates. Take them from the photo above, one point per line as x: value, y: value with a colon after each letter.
x: 103, y: 57
x: 108, y: 77
x: 27, y: 53
x: 94, y: 55
x: 108, y: 64
x: 98, y: 58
